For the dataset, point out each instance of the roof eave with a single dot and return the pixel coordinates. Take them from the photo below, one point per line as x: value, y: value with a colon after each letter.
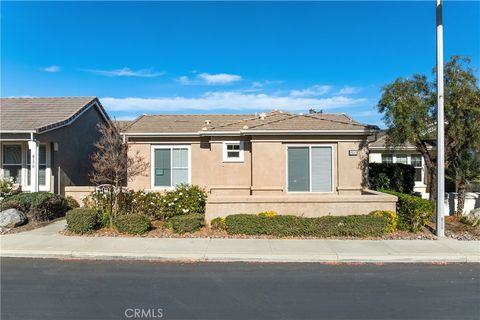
x: 207, y: 133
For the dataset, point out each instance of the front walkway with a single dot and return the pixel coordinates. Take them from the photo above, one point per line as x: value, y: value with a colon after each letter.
x: 46, y: 242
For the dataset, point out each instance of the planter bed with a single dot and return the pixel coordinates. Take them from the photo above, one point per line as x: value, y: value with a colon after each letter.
x: 158, y: 231
x: 456, y: 229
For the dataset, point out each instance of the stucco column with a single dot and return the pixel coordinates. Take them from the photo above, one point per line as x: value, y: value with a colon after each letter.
x: 33, y: 146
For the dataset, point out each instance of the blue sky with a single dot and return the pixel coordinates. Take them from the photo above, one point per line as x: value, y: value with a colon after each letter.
x: 157, y: 57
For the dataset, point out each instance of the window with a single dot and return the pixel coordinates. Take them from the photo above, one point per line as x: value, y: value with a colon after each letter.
x: 401, y: 158
x: 12, y: 162
x: 387, y: 158
x: 171, y: 165
x: 416, y: 161
x: 310, y: 169
x: 233, y: 151
x: 42, y: 165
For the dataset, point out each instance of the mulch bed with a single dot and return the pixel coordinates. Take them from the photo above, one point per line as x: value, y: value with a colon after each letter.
x: 456, y: 229
x: 158, y: 231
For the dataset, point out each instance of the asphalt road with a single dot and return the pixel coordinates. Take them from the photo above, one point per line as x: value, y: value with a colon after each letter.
x: 56, y: 289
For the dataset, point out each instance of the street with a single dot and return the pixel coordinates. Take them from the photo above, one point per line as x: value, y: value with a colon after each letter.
x: 59, y: 289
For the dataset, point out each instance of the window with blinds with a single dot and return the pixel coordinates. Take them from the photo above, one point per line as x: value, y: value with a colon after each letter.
x: 310, y: 169
x: 170, y: 166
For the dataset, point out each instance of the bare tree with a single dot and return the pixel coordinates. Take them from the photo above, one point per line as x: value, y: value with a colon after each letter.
x: 111, y: 162
x: 113, y: 166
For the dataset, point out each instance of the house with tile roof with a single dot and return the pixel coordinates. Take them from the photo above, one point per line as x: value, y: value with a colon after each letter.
x: 305, y: 164
x: 46, y: 143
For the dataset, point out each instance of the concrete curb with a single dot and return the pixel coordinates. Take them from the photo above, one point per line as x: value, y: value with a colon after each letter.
x: 238, y: 257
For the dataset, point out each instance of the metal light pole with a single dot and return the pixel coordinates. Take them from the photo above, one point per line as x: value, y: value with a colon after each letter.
x: 440, y: 127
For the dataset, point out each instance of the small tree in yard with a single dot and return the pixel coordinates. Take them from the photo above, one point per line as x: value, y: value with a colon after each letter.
x: 409, y: 108
x: 112, y: 165
x: 465, y: 170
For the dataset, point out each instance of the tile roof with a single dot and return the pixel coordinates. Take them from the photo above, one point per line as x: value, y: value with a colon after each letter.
x: 381, y: 142
x: 38, y: 114
x: 274, y: 121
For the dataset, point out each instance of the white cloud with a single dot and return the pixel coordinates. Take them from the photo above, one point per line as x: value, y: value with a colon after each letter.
x: 313, y: 91
x: 228, y: 100
x: 260, y: 84
x: 349, y: 90
x: 51, y: 69
x: 127, y: 72
x: 210, y: 79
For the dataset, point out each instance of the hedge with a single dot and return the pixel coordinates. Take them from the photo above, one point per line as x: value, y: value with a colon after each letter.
x: 82, y: 220
x: 413, y: 212
x: 187, y: 223
x: 38, y: 206
x: 132, y: 223
x: 291, y: 226
x: 398, y: 177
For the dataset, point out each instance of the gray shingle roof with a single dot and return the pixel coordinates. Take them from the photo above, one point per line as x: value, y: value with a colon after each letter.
x: 38, y: 114
x: 274, y: 121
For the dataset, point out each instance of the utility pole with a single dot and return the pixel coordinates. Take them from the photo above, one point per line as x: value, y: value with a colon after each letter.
x: 440, y: 127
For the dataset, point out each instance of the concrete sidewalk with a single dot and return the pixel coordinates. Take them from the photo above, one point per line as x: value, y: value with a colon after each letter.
x: 46, y: 242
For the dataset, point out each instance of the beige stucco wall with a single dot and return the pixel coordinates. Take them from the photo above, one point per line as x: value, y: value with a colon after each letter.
x: 78, y: 192
x: 301, y: 205
x: 263, y: 171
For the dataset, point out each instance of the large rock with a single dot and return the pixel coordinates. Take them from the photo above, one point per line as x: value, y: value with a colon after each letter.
x: 473, y: 217
x: 11, y: 218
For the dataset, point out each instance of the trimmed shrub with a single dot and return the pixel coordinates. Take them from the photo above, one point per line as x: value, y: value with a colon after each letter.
x: 141, y: 202
x: 71, y: 202
x: 186, y: 223
x: 132, y: 223
x: 82, y: 220
x: 413, y: 212
x: 391, y: 217
x: 38, y: 206
x: 185, y: 199
x: 398, y: 177
x: 218, y: 223
x: 287, y: 226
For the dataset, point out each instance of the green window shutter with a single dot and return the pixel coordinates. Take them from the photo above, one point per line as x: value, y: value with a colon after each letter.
x: 321, y: 169
x: 162, y: 169
x: 298, y: 169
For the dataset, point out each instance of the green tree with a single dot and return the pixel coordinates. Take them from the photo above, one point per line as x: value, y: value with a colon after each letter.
x: 409, y: 111
x: 464, y: 170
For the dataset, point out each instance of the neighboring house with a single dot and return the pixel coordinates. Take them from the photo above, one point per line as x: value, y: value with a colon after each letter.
x: 309, y: 164
x: 46, y: 143
x: 380, y: 152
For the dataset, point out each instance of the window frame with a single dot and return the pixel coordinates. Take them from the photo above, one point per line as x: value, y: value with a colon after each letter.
x: 409, y: 161
x: 152, y: 164
x: 309, y: 146
x: 241, y: 152
x: 22, y: 162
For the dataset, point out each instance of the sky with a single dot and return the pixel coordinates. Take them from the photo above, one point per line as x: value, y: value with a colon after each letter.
x: 227, y: 57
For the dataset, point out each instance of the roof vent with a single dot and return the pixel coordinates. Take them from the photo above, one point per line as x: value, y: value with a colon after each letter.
x: 245, y: 127
x: 262, y: 116
x: 207, y: 122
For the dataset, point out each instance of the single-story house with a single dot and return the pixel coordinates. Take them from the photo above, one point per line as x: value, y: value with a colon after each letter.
x: 407, y: 153
x: 46, y: 143
x: 305, y: 164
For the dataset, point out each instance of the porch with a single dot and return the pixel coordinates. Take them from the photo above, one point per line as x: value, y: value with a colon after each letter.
x: 27, y: 161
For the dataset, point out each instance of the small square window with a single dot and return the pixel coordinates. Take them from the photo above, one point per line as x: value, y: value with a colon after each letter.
x: 233, y: 151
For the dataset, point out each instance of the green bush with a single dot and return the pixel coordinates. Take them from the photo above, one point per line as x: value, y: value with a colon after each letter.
x: 398, y: 177
x: 185, y: 199
x: 391, y: 217
x: 71, y: 202
x: 38, y: 206
x: 82, y: 220
x: 287, y: 226
x: 186, y: 223
x: 218, y: 223
x: 141, y: 202
x: 413, y: 212
x: 132, y: 223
